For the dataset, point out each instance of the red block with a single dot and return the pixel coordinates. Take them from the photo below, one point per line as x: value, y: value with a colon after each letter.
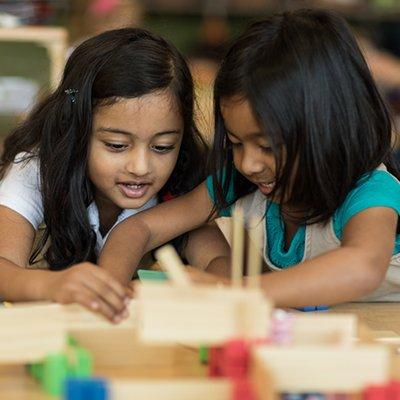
x: 243, y: 390
x: 375, y: 393
x: 214, y: 362
x: 393, y: 390
x: 235, y: 359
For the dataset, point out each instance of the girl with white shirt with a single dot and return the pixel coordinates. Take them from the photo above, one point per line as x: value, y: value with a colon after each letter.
x: 115, y: 138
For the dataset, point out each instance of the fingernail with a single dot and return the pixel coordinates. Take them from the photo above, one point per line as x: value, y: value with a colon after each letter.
x: 94, y: 305
x: 117, y: 319
x: 127, y: 300
x: 125, y: 314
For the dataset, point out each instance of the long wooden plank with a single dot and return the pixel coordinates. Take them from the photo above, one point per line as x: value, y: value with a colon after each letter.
x: 188, y: 389
x: 337, y: 369
x: 200, y: 315
x: 30, y: 332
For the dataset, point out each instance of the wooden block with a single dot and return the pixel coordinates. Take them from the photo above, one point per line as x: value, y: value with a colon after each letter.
x: 203, y: 314
x: 120, y: 347
x: 340, y: 369
x: 29, y: 332
x: 78, y: 318
x: 324, y: 328
x: 188, y: 389
x: 169, y: 260
x: 262, y: 381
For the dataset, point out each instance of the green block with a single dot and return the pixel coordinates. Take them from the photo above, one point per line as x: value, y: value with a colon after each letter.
x: 71, y: 341
x: 55, y: 370
x: 149, y: 275
x: 36, y: 370
x: 81, y: 363
x: 203, y: 354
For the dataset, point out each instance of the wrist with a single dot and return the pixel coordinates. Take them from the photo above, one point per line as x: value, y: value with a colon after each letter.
x: 40, y: 285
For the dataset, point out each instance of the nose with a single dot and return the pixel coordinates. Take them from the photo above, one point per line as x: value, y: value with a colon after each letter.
x: 138, y: 162
x: 251, y: 162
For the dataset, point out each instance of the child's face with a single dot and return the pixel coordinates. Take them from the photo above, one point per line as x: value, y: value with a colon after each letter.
x: 134, y: 148
x: 252, y: 154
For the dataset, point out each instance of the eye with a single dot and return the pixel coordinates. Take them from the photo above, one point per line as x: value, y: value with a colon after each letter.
x: 163, y: 149
x: 234, y: 144
x: 266, y: 149
x: 116, y: 146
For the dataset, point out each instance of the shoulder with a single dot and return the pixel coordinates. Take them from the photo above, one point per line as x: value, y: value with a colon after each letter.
x: 25, y: 166
x: 378, y: 188
x: 20, y: 188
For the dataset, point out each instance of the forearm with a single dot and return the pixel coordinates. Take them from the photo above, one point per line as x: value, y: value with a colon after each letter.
x: 129, y: 242
x: 22, y: 284
x: 335, y: 277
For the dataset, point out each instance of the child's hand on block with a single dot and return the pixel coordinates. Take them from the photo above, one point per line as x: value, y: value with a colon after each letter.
x: 91, y: 287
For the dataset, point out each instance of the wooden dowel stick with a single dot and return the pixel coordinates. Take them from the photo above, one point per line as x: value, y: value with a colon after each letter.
x: 254, y: 257
x: 172, y: 264
x: 237, y: 247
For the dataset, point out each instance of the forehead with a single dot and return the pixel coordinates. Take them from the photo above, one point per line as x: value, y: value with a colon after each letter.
x: 238, y: 117
x: 152, y: 112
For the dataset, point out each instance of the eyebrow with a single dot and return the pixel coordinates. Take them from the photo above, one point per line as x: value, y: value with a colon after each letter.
x: 122, y: 132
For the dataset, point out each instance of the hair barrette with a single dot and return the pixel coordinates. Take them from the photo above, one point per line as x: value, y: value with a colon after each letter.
x: 72, y: 94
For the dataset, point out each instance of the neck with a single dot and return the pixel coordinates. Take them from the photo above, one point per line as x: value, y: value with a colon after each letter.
x: 108, y: 214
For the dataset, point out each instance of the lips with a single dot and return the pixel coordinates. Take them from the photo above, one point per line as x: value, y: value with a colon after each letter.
x: 266, y: 187
x: 134, y: 190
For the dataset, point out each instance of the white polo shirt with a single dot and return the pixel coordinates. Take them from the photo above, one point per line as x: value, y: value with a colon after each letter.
x: 20, y: 191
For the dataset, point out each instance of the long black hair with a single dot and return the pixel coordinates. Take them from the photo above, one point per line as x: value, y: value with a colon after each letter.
x: 312, y: 94
x: 123, y: 63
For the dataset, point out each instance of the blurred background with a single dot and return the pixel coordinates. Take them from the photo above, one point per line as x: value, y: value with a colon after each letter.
x: 37, y: 35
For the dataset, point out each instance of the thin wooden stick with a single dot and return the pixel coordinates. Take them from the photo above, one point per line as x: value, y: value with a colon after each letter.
x: 237, y: 247
x: 172, y: 264
x: 254, y: 258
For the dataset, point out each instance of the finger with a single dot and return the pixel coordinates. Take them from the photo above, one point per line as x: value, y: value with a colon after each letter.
x: 102, y: 289
x: 130, y: 291
x: 96, y: 304
x: 107, y: 278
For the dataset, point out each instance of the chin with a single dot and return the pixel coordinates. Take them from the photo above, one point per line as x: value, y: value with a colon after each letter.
x: 134, y: 203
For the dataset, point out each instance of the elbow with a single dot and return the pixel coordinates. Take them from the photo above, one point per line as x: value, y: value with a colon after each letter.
x: 372, y: 274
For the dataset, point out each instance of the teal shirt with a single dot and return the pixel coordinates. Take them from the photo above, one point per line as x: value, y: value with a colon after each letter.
x: 377, y: 189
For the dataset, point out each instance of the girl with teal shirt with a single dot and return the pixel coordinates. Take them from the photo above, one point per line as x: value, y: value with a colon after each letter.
x: 303, y: 145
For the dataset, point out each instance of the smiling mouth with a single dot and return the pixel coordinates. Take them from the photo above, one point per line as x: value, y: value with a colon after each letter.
x: 266, y: 188
x: 134, y: 190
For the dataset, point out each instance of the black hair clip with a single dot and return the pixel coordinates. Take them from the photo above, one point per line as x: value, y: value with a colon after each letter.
x: 72, y: 94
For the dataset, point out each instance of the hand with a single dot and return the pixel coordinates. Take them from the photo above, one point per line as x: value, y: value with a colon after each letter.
x: 199, y: 276
x: 93, y: 288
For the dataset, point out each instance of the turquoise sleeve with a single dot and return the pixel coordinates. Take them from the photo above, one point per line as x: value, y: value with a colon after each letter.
x: 378, y: 189
x: 226, y: 212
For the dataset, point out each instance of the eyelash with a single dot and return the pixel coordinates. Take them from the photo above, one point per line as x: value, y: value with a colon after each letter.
x: 266, y: 149
x: 163, y: 149
x: 116, y: 147
x: 158, y: 149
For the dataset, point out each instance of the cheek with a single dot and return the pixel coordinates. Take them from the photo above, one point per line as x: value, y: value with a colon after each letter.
x: 165, y: 165
x: 100, y: 167
x: 237, y: 158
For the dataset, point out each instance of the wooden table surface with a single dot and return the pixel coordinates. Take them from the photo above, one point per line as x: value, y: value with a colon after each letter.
x: 15, y: 384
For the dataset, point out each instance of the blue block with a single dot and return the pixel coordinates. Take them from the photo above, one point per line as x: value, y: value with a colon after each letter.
x: 85, y: 389
x: 314, y: 308
x: 307, y: 308
x: 314, y: 396
x: 292, y: 396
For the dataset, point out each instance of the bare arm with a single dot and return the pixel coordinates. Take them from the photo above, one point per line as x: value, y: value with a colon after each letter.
x: 208, y: 250
x: 143, y: 232
x: 354, y: 270
x: 84, y: 283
